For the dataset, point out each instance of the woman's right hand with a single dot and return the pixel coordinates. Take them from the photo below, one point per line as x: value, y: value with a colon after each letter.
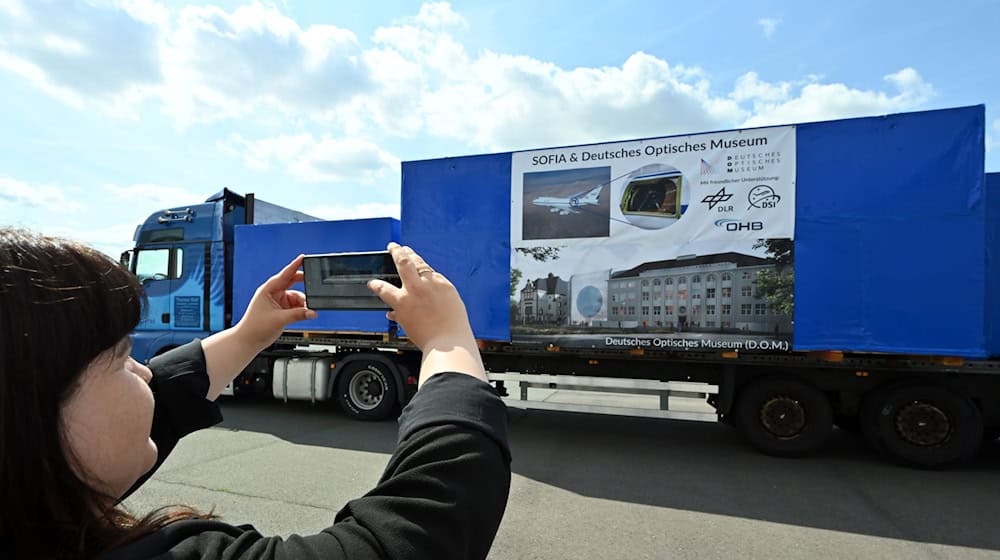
x: 431, y: 312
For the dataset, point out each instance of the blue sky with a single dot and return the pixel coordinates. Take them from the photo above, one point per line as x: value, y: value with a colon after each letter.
x: 112, y: 109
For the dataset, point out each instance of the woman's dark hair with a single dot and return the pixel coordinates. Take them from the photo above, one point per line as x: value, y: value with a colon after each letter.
x: 62, y: 305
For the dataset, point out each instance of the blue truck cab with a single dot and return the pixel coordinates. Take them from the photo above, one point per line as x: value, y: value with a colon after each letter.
x: 183, y: 257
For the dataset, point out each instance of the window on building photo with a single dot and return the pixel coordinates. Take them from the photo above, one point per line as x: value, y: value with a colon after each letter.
x: 746, y: 309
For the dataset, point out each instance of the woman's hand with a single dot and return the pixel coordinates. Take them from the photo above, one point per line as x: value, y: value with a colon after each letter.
x: 274, y: 306
x: 431, y: 312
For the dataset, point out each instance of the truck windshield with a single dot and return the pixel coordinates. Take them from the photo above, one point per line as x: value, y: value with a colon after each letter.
x: 158, y: 264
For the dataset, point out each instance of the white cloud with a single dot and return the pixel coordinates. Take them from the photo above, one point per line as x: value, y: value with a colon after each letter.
x: 768, y: 25
x: 817, y: 101
x: 18, y: 195
x: 152, y: 196
x: 84, y: 52
x: 357, y: 211
x: 313, y: 160
x: 439, y: 14
x: 110, y: 239
x: 503, y: 101
x: 57, y: 211
x: 750, y: 88
x: 204, y: 64
x: 219, y: 64
x: 60, y: 211
x: 12, y: 8
x: 991, y: 142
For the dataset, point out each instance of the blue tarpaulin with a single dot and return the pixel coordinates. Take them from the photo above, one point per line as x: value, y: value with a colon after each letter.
x: 890, y: 236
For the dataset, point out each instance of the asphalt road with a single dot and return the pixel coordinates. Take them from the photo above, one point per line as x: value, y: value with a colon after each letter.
x: 589, y: 486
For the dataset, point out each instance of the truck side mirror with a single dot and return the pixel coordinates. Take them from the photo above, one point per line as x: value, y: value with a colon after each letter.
x: 126, y: 259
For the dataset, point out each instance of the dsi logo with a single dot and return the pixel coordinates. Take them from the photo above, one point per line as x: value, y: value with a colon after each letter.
x: 736, y: 225
x: 763, y: 196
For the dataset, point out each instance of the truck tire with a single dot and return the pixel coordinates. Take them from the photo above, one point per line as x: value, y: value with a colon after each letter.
x: 367, y: 390
x: 923, y: 425
x: 784, y: 417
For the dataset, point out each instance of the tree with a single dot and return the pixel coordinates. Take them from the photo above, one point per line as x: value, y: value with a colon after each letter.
x: 515, y: 279
x: 781, y: 251
x: 540, y: 254
x: 778, y: 285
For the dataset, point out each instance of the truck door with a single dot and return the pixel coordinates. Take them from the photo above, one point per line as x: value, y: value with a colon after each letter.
x: 175, y: 282
x: 189, y: 289
x: 158, y: 270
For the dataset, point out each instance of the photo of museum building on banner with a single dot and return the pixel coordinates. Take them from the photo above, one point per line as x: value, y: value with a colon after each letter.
x: 710, y: 293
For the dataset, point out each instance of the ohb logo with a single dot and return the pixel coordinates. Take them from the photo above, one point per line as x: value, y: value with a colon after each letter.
x: 736, y: 225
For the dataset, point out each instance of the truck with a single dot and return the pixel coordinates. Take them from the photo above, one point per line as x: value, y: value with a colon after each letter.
x: 793, y: 278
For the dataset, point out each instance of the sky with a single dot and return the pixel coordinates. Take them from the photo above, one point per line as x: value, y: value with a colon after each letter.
x: 113, y: 109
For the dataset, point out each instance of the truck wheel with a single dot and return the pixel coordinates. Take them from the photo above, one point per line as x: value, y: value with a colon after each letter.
x: 366, y: 390
x: 784, y: 417
x: 924, y: 425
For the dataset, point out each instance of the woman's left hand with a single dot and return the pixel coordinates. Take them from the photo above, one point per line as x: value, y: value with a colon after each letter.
x: 274, y: 305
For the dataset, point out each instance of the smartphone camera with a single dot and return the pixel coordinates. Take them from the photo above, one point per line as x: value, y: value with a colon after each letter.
x: 340, y: 280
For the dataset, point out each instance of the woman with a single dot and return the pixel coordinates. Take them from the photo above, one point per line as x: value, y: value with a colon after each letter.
x: 82, y: 424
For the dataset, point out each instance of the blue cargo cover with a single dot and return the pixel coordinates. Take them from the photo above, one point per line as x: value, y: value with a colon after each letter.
x: 890, y: 247
x: 262, y: 250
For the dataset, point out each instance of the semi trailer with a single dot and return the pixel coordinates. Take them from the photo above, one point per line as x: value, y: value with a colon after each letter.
x: 795, y: 278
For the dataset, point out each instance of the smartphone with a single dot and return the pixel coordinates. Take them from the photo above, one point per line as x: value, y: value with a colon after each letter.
x: 340, y: 280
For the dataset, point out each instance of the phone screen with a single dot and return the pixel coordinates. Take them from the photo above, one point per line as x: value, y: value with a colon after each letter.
x: 340, y: 280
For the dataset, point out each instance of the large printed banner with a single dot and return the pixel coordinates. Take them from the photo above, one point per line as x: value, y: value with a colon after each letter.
x: 680, y: 242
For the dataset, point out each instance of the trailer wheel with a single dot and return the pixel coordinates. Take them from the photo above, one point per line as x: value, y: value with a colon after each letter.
x: 924, y: 425
x: 784, y: 417
x: 366, y: 390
